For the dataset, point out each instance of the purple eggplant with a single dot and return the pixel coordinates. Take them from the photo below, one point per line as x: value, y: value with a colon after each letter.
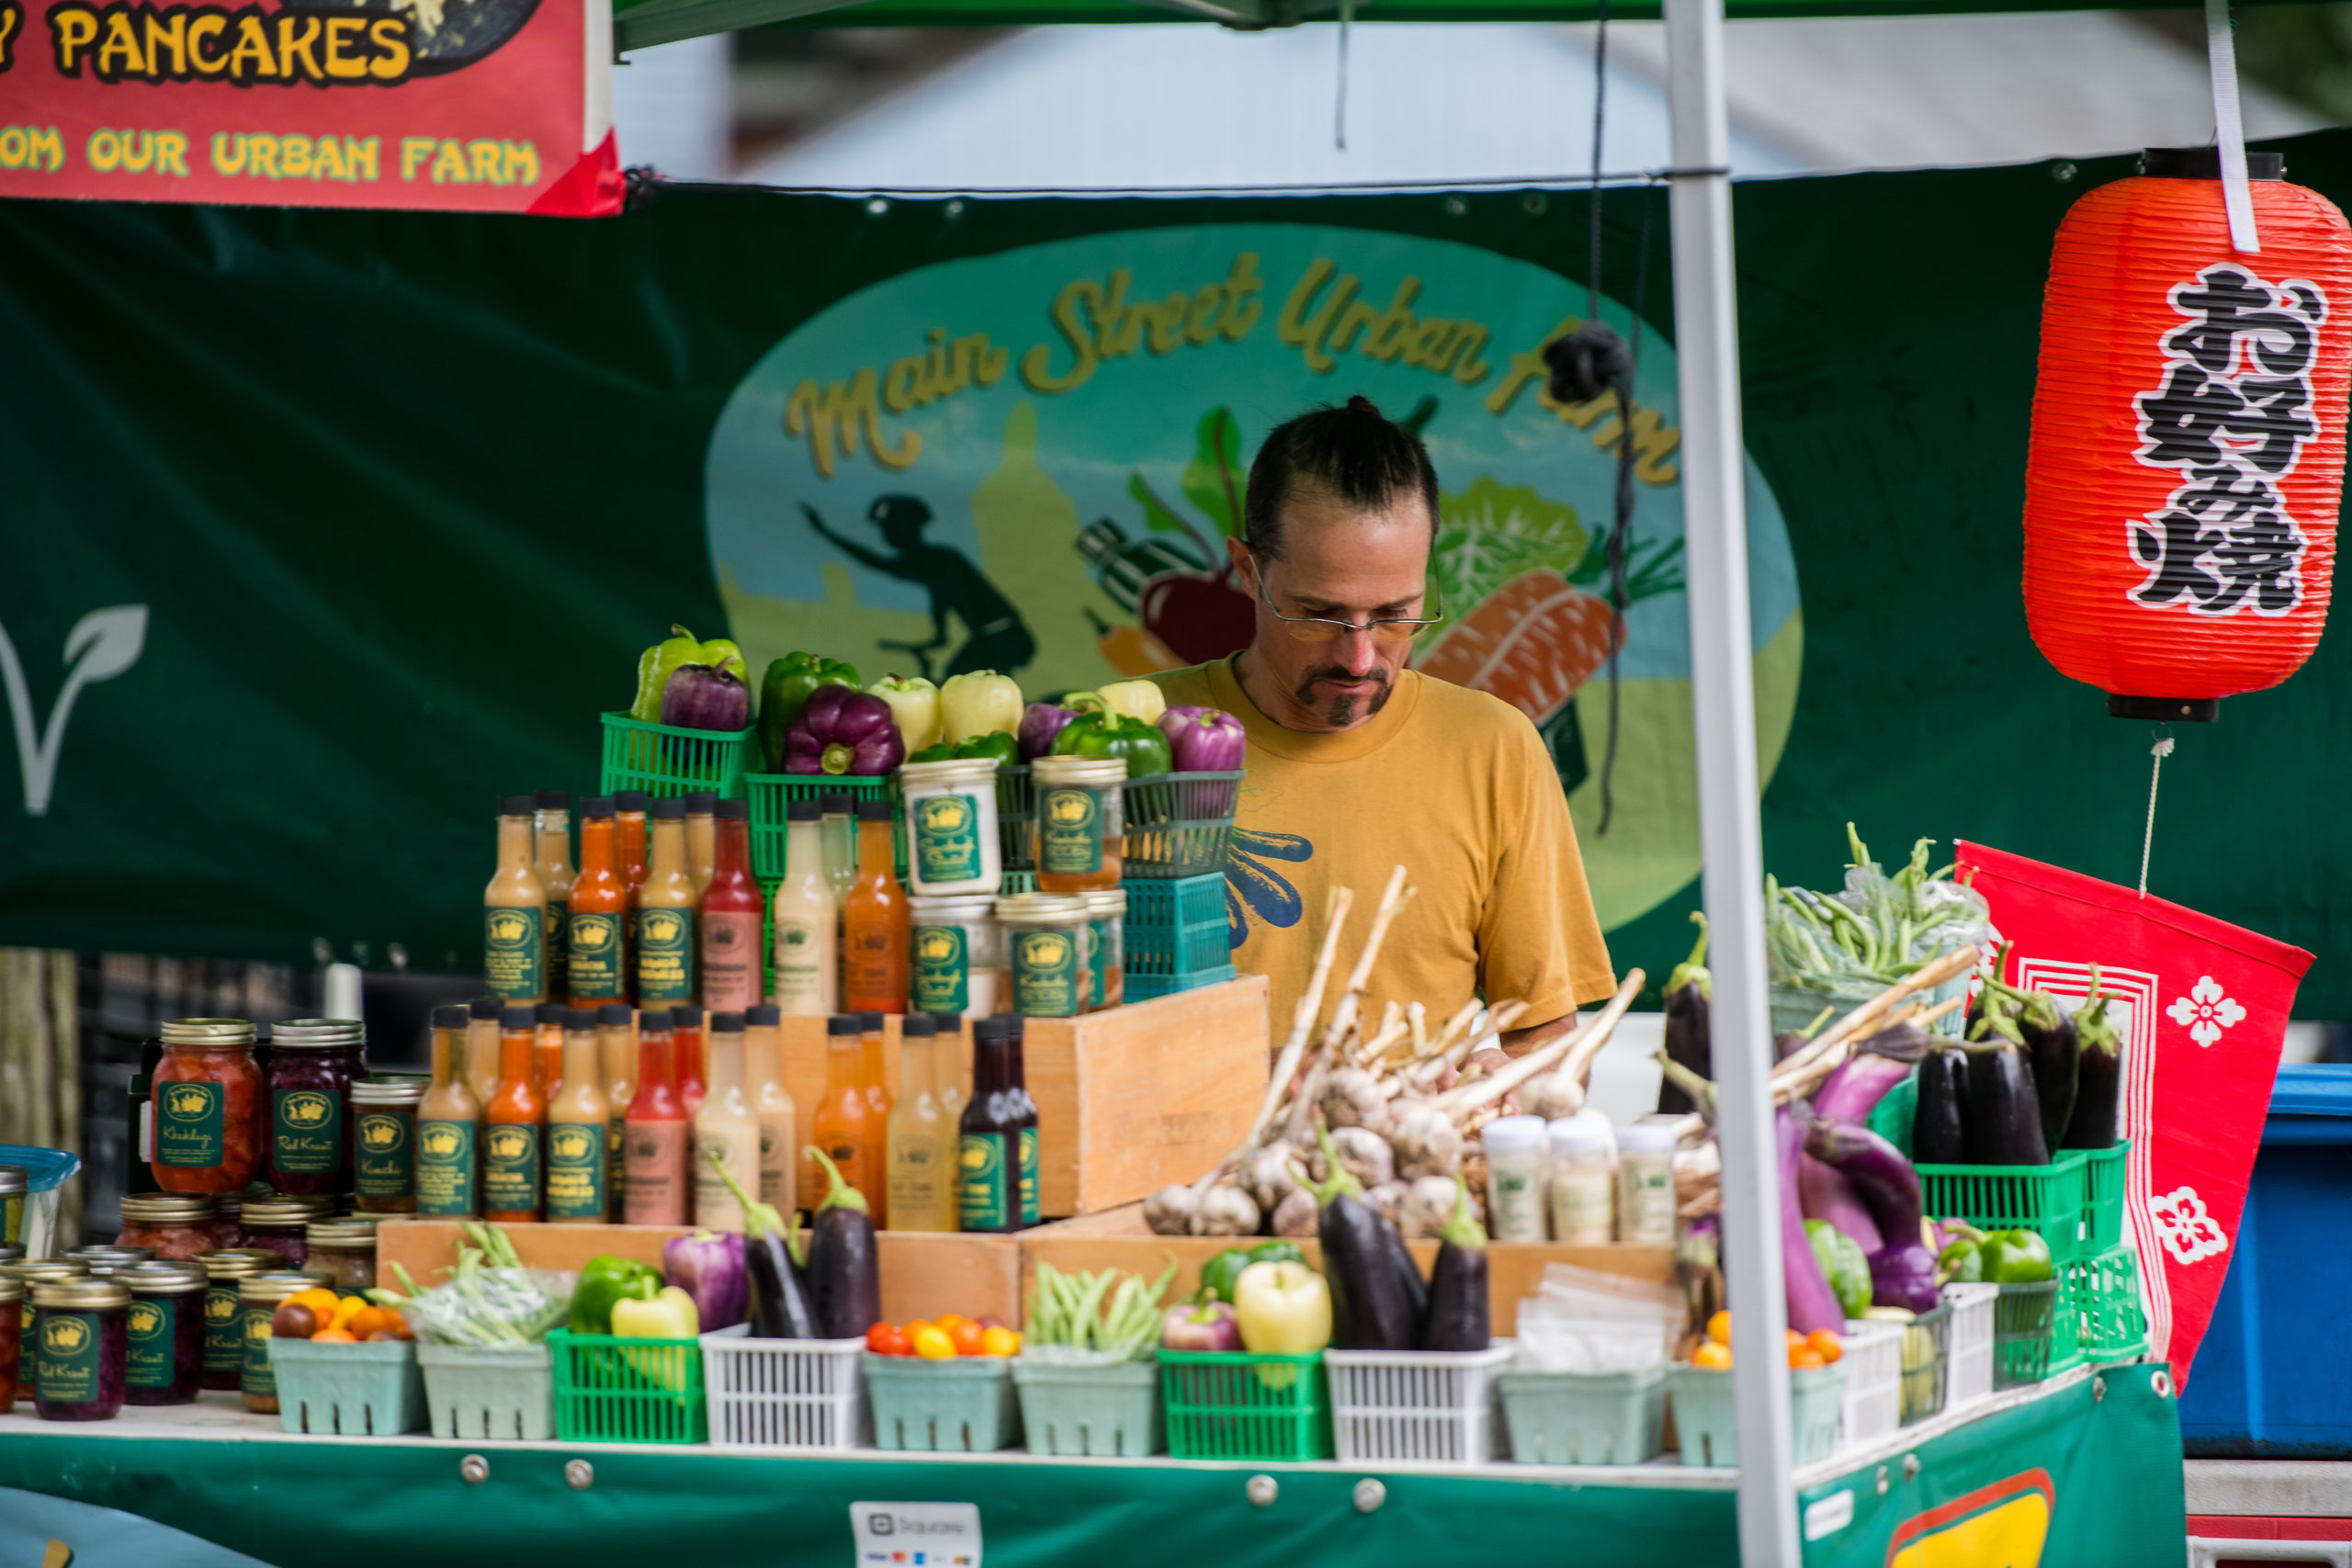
x: 1904, y: 1276
x: 1040, y: 723
x: 1690, y: 997
x: 1213, y: 1326
x: 2053, y: 1049
x: 2004, y: 1113
x: 1871, y: 1071
x: 1882, y: 1177
x: 1939, y: 1122
x: 706, y: 696
x: 1205, y: 741
x: 1460, y: 1314
x: 1812, y: 1303
x: 843, y: 732
x: 1823, y: 1193
x: 2099, y: 1074
x: 708, y: 1266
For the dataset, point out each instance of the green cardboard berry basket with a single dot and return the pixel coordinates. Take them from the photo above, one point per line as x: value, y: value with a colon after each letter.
x: 365, y: 1389
x: 1094, y: 1411
x: 1584, y: 1417
x: 1705, y: 1424
x: 663, y: 760
x: 960, y: 1405
x: 496, y: 1393
x: 1232, y: 1404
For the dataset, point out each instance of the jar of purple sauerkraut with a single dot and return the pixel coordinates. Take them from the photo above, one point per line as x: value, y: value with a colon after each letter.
x: 81, y: 1348
x: 312, y: 1064
x: 165, y: 1333
x: 281, y: 1226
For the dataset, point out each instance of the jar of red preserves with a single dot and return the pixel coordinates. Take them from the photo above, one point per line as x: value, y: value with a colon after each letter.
x: 165, y: 1333
x: 207, y: 1106
x: 278, y: 1224
x: 312, y: 1064
x: 82, y: 1348
x: 12, y: 1339
x: 174, y: 1225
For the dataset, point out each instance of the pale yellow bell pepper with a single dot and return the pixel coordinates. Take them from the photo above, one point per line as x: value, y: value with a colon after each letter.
x: 915, y: 707
x: 978, y: 702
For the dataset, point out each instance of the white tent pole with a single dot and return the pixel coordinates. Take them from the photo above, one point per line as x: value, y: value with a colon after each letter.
x: 1714, y: 523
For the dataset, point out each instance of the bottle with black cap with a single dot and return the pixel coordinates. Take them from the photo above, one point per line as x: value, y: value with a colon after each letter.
x: 449, y: 1124
x: 514, y: 912
x: 551, y: 858
x: 988, y: 1139
x: 1024, y: 1110
x: 665, y: 914
x: 480, y: 1065
x: 846, y: 1124
x: 616, y: 1053
x: 600, y: 901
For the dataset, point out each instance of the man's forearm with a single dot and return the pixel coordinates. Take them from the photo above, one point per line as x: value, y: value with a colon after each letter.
x: 1519, y: 1042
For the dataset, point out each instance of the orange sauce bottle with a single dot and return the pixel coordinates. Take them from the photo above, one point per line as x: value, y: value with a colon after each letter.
x: 511, y: 1155
x: 597, y: 951
x: 547, y: 1050
x: 874, y: 921
x: 845, y: 1125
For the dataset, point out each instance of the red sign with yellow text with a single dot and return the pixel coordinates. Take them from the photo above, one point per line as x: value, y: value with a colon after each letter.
x: 497, y: 106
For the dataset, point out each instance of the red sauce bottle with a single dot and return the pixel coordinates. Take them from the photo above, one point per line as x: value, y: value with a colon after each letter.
x: 655, y: 1136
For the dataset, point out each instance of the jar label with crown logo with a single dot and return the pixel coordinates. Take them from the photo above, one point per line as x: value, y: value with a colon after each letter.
x: 385, y: 1153
x: 514, y: 944
x: 261, y: 1378
x: 510, y: 1167
x: 189, y: 1118
x: 576, y: 1155
x: 224, y: 1329
x: 596, y: 960
x: 1070, y: 831
x: 306, y: 1130
x: 946, y: 839
x: 1028, y: 1175
x: 665, y: 955
x: 66, y: 1358
x: 942, y: 969
x: 446, y: 1181
x: 1049, y: 974
x: 986, y: 1195
x: 153, y: 1323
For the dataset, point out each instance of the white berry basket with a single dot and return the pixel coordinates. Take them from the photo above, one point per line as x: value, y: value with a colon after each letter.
x: 785, y: 1394
x: 1415, y: 1406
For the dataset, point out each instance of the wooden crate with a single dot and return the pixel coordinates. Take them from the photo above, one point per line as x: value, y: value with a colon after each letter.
x: 1128, y: 1100
x: 923, y: 1276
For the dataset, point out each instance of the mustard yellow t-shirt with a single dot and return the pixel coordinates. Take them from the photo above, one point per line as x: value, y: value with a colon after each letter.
x: 1450, y: 784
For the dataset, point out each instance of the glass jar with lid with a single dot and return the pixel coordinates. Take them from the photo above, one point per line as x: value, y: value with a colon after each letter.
x: 12, y: 1339
x: 278, y: 1224
x: 207, y: 1105
x: 1106, y: 919
x: 383, y: 1112
x: 174, y: 1225
x: 952, y: 844
x: 81, y: 1347
x: 312, y: 1062
x: 343, y: 1250
x: 258, y: 1298
x: 956, y: 954
x: 165, y: 1332
x: 1078, y: 835
x: 102, y: 1261
x: 224, y: 1325
x: 16, y: 1182
x: 1047, y: 945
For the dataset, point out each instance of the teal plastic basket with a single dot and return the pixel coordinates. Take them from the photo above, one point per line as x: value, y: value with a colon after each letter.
x: 1096, y: 1412
x: 497, y: 1393
x: 962, y: 1406
x: 772, y: 793
x: 2103, y: 1196
x: 661, y: 760
x: 1231, y: 1405
x: 2103, y: 1299
x: 1015, y: 804
x: 1584, y: 1417
x: 1142, y: 988
x: 2027, y: 1344
x: 2046, y: 1199
x: 368, y: 1388
x: 1177, y: 927
x: 1178, y: 825
x: 1704, y: 1422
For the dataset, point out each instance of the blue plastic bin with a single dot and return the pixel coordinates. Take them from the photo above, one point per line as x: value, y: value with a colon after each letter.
x: 2265, y: 1383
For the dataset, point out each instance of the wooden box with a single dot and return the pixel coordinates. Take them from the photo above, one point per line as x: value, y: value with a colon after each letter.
x: 1128, y: 1100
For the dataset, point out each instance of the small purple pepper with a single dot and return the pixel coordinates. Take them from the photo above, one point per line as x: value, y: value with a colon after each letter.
x: 1214, y: 1326
x: 1205, y: 741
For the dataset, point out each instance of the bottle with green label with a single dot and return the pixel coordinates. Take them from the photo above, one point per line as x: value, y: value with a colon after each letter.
x: 1024, y: 1110
x: 551, y: 858
x: 383, y: 1144
x: 164, y: 1331
x: 578, y: 1155
x: 449, y: 1124
x: 514, y: 912
x: 989, y: 1137
x: 597, y: 948
x: 513, y: 1127
x: 664, y: 917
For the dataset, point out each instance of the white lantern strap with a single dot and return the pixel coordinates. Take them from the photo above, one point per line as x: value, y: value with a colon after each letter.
x: 2160, y: 750
x: 2221, y: 60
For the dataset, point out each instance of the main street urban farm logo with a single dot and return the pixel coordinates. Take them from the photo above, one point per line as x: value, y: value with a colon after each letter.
x: 510, y: 930
x: 1032, y: 462
x: 570, y: 1143
x: 379, y: 1134
x: 187, y: 1101
x: 508, y: 1143
x: 305, y: 1108
x: 441, y: 1141
x: 662, y: 929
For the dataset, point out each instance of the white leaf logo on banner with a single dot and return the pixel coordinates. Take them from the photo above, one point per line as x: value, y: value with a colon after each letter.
x: 102, y: 644
x: 2187, y: 1232
x: 2205, y: 1011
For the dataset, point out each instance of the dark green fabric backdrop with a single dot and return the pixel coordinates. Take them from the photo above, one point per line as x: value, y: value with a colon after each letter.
x: 404, y: 493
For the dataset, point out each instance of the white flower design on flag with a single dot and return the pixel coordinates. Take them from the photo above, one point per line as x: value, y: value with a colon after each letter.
x: 2187, y: 1232
x: 2205, y: 1011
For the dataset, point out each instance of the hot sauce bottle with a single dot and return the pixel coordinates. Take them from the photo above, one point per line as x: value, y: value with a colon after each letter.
x: 551, y: 841
x: 656, y: 1134
x: 600, y: 901
x: 511, y: 1154
x: 665, y: 931
x: 845, y: 1125
x: 873, y: 922
x: 731, y: 907
x: 514, y: 912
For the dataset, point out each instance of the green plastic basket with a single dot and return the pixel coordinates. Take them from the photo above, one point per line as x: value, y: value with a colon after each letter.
x: 366, y: 1390
x: 2047, y: 1198
x: 2103, y: 1293
x: 1926, y: 1364
x: 1015, y: 804
x: 1231, y: 1405
x: 498, y: 1394
x: 2025, y: 1334
x: 1178, y: 825
x: 1177, y: 927
x: 2103, y: 1196
x: 962, y: 1406
x: 609, y: 1390
x: 1584, y: 1417
x: 1142, y: 988
x: 1705, y: 1424
x: 770, y: 793
x: 661, y: 760
x: 1018, y: 882
x: 1097, y: 1412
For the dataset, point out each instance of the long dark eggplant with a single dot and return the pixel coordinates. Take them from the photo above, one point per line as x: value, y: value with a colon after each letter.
x: 2100, y: 1075
x: 1689, y: 996
x: 780, y: 1305
x: 1871, y: 1071
x: 844, y: 1266
x: 2052, y: 1048
x: 1940, y: 1121
x: 1812, y: 1303
x: 1371, y: 1309
x: 1460, y: 1316
x: 2004, y: 1116
x: 1418, y: 1291
x: 1881, y: 1176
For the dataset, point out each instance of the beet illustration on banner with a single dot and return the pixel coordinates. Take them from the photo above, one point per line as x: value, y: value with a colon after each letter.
x: 2203, y: 1007
x: 2187, y: 448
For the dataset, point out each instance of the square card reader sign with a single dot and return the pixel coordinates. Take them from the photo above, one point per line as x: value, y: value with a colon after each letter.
x: 916, y: 1535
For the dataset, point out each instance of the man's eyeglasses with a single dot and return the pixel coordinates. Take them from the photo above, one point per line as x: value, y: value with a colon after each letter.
x: 1321, y: 630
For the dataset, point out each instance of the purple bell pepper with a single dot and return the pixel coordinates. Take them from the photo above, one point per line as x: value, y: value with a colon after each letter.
x: 844, y: 731
x: 1905, y: 1276
x: 706, y: 696
x: 709, y: 1267
x: 1040, y: 723
x: 1214, y: 1326
x: 1205, y: 741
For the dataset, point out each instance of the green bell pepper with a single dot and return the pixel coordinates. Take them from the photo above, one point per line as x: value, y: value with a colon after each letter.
x: 607, y: 1280
x: 1142, y: 745
x: 785, y: 689
x: 656, y: 664
x: 1962, y: 1263
x: 996, y: 745
x: 1842, y: 1264
x: 2015, y: 1257
x: 1219, y: 1272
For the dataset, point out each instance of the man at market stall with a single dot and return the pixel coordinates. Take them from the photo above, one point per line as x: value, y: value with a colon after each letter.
x: 1358, y: 764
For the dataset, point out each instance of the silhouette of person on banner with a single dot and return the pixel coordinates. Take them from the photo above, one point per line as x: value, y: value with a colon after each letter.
x: 995, y: 636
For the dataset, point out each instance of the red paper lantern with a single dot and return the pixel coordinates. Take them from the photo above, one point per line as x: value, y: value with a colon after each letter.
x: 2188, y: 448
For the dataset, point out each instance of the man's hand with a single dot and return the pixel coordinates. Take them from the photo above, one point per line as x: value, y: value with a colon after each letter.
x: 1519, y: 1042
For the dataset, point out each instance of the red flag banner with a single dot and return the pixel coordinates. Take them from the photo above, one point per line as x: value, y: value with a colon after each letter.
x: 2204, y: 1007
x: 480, y: 106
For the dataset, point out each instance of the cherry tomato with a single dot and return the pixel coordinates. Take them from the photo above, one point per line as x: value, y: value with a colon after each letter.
x: 1711, y: 1354
x: 1719, y: 1329
x: 999, y: 1341
x: 1826, y: 1344
x: 934, y: 1345
x: 948, y: 1320
x: 1802, y: 1356
x: 967, y: 1335
x: 889, y: 1339
x: 292, y: 1320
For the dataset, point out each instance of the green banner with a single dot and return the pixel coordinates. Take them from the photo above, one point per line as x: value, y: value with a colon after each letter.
x: 325, y: 529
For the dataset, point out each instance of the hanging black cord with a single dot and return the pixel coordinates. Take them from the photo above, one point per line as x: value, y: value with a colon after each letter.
x: 1600, y: 120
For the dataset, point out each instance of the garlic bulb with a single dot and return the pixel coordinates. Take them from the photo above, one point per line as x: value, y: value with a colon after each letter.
x: 1297, y: 1214
x: 1226, y: 1211
x: 1170, y: 1210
